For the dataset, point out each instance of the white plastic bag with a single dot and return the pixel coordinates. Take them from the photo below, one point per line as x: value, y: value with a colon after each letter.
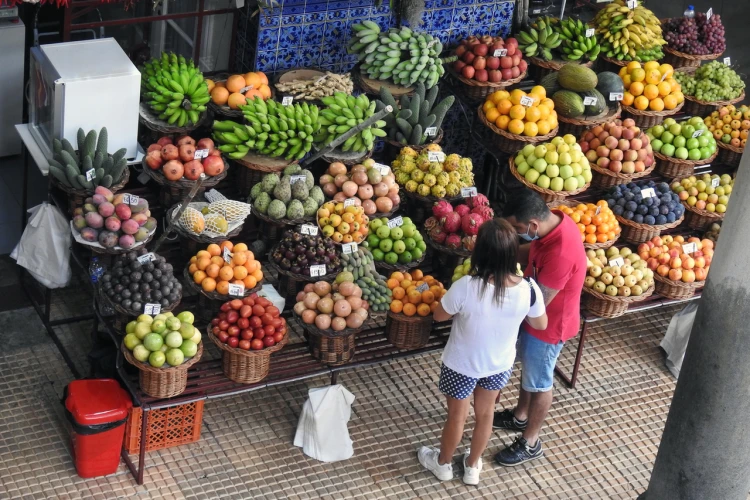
x: 269, y: 292
x: 322, y: 432
x: 44, y: 249
x: 678, y: 334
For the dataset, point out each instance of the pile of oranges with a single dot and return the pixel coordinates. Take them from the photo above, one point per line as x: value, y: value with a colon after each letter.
x: 212, y: 272
x: 413, y: 293
x: 650, y: 87
x: 601, y: 227
x: 505, y: 110
x: 228, y: 92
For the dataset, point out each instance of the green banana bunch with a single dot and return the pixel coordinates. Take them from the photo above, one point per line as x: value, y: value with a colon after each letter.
x: 174, y: 88
x: 575, y: 44
x: 273, y: 130
x: 399, y: 55
x: 344, y: 112
x: 540, y: 39
x: 629, y: 34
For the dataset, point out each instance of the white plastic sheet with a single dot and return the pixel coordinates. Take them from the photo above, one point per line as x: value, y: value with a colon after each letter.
x: 322, y: 431
x: 44, y: 249
x: 678, y: 334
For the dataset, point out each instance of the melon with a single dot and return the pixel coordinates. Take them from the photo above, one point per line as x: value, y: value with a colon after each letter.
x: 609, y: 82
x: 576, y: 78
x: 568, y: 104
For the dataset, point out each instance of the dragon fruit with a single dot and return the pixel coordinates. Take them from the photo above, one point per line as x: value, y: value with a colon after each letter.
x: 478, y: 201
x: 484, y: 211
x: 451, y: 222
x: 468, y: 242
x: 453, y: 241
x: 430, y: 223
x: 470, y: 224
x: 441, y: 209
x: 438, y: 235
x: 462, y: 209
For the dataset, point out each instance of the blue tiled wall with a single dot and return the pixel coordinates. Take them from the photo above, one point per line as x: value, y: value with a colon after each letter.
x: 316, y: 32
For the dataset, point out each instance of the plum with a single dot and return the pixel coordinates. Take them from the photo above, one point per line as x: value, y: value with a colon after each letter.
x: 94, y: 220
x: 123, y: 211
x: 129, y: 226
x: 89, y: 234
x: 127, y: 241
x: 112, y: 224
x: 106, y: 209
x: 107, y: 239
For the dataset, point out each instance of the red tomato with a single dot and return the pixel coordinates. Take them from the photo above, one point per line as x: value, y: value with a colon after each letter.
x: 236, y: 304
x: 222, y: 336
x: 258, y: 310
x: 273, y: 311
x: 246, y: 334
x: 277, y: 323
x: 253, y: 295
x: 233, y: 316
x: 233, y: 341
x: 267, y: 319
x: 268, y: 341
x: 215, y: 321
x: 224, y: 325
x: 269, y: 329
x: 225, y: 307
x: 256, y: 344
x: 222, y: 315
x: 263, y: 301
x: 244, y: 344
x: 243, y: 323
x: 248, y: 301
x: 277, y: 337
x: 255, y: 321
x: 215, y: 330
x: 281, y: 329
x: 259, y: 332
x: 283, y: 321
x: 234, y: 331
x: 246, y: 311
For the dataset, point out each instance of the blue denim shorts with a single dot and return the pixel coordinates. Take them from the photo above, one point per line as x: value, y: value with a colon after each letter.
x: 460, y: 386
x: 538, y: 359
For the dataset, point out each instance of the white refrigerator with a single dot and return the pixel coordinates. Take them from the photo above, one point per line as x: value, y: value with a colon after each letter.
x: 12, y: 47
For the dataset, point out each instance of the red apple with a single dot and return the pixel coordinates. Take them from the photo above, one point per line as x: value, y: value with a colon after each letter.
x: 495, y: 75
x: 468, y: 57
x: 244, y: 344
x: 507, y: 74
x: 480, y: 49
x: 468, y: 71
x: 516, y: 58
x: 506, y: 62
x: 481, y: 75
x: 479, y: 62
x: 515, y: 72
x: 213, y: 165
x: 256, y: 344
x: 460, y: 50
x: 522, y: 65
x: 492, y: 62
x: 458, y: 66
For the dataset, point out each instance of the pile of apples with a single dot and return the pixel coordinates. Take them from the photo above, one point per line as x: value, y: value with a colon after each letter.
x: 252, y: 323
x: 667, y: 256
x: 477, y: 59
x: 177, y: 158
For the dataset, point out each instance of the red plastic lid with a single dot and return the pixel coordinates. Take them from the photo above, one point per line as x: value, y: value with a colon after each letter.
x: 97, y: 401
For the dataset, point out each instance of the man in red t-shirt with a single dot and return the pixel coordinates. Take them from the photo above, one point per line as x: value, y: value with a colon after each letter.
x: 556, y: 259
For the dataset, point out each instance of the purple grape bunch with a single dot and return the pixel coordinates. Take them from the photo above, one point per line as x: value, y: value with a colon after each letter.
x: 699, y: 36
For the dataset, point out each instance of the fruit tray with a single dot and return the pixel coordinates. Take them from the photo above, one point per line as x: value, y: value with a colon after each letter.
x: 165, y: 427
x: 408, y: 332
x: 675, y: 290
x: 547, y: 194
x: 216, y: 295
x: 329, y: 276
x: 331, y: 347
x: 162, y: 382
x: 95, y: 246
x: 348, y: 158
x: 512, y: 143
x: 646, y: 118
x: 478, y: 91
x: 608, y: 306
x: 697, y: 107
x: 416, y: 147
x: 161, y: 180
x: 729, y: 155
x: 636, y: 233
x: 233, y: 228
x: 284, y: 221
x: 683, y: 60
x: 675, y: 167
x: 460, y: 252
x: 152, y: 122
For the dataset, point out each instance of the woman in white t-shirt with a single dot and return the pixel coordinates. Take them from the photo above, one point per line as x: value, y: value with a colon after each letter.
x: 487, y: 310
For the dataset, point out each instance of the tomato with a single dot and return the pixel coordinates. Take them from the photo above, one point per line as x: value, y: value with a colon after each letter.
x: 224, y: 325
x: 236, y: 304
x: 234, y: 331
x: 246, y: 311
x: 225, y: 307
x: 263, y: 301
x: 254, y: 295
x: 277, y: 323
x: 278, y: 336
x: 215, y: 330
x: 268, y: 341
x: 267, y: 319
x: 281, y: 329
x: 255, y: 322
x: 283, y: 321
x: 244, y: 344
x: 222, y: 336
x: 232, y: 317
x: 273, y: 311
x: 215, y: 321
x: 222, y: 315
x: 259, y: 332
x: 246, y: 334
x: 243, y: 323
x: 269, y: 329
x: 233, y: 341
x: 258, y: 310
x: 256, y: 344
x: 248, y: 301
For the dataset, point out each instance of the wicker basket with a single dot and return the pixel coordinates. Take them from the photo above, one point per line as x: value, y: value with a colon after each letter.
x: 77, y: 197
x: 127, y: 313
x: 408, y: 332
x: 539, y: 68
x: 675, y: 290
x: 165, y: 427
x: 184, y: 185
x: 603, y: 178
x: 512, y: 143
x: 607, y: 306
x: 284, y: 221
x: 201, y: 238
x: 636, y: 233
x: 348, y: 158
x: 246, y: 367
x: 372, y: 86
x: 674, y: 168
x: 456, y: 252
x: 547, y: 194
x: 152, y: 122
x: 682, y: 60
x: 330, y: 347
x: 478, y: 91
x: 291, y: 283
x: 386, y: 269
x: 729, y: 155
x: 588, y: 246
x: 610, y: 64
x: 578, y: 126
x: 696, y: 107
x: 699, y: 219
x: 163, y: 382
x: 253, y: 167
x: 645, y: 118
x: 216, y: 295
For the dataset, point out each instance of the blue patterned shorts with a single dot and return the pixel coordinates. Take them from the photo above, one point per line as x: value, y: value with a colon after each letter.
x: 460, y: 386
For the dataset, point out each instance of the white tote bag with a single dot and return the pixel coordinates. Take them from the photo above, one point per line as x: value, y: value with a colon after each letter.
x: 322, y: 431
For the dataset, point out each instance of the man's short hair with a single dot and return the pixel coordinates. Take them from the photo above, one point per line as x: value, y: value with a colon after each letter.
x: 524, y: 204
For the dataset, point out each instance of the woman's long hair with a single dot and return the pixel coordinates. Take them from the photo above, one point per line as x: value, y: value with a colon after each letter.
x: 494, y: 256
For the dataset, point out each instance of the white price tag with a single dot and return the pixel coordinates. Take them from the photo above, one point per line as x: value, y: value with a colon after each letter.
x: 349, y: 202
x: 227, y: 255
x: 200, y: 154
x: 287, y: 100
x: 245, y: 89
x: 709, y: 13
x: 617, y: 261
x: 536, y: 11
x: 648, y: 193
x: 469, y: 192
x: 130, y: 199
x: 318, y: 270
x: 437, y: 156
x: 236, y: 290
x: 297, y: 178
x: 430, y: 131
x: 527, y: 101
x: 423, y: 287
x: 689, y: 248
x: 152, y: 309
x: 395, y: 222
x: 383, y: 169
x: 632, y: 4
x: 309, y: 229
x: 90, y: 174
x: 143, y: 178
x: 590, y: 32
x: 727, y: 61
x: 500, y: 52
x: 348, y: 248
x: 663, y: 77
x: 697, y: 133
x: 615, y: 96
x: 598, y: 209
x: 146, y: 258
x: 213, y: 195
x: 588, y: 101
x: 715, y: 182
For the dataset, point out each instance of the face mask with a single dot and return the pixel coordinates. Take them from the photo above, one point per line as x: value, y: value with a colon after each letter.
x: 526, y: 236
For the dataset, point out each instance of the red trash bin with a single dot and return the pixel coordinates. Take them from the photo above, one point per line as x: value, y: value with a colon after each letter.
x: 97, y: 409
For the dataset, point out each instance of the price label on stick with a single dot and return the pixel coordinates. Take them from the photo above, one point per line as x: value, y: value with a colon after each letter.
x: 152, y: 309
x: 469, y: 192
x: 245, y: 89
x: 423, y: 287
x: 648, y: 193
x: 697, y: 133
x: 213, y: 195
x: 437, y: 156
x: 383, y: 169
x: 349, y: 202
x: 663, y: 77
x: 200, y: 154
x: 709, y: 13
x: 287, y: 100
x: 689, y: 248
x: 146, y: 258
x: 90, y: 174
x: 598, y: 209
x: 297, y: 178
x: 348, y: 248
x: 715, y: 182
x: 227, y: 255
x: 237, y: 290
x: 309, y: 229
x: 395, y: 222
x: 615, y: 96
x: 590, y: 32
x: 536, y: 11
x: 130, y: 199
x: 727, y: 61
x: 527, y: 101
x: 500, y: 52
x: 589, y: 101
x: 617, y: 261
x: 430, y: 131
x: 632, y: 4
x: 318, y: 270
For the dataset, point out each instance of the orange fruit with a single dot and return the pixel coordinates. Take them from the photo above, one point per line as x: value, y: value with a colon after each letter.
x: 549, y: 103
x: 213, y: 249
x: 210, y: 84
x: 637, y: 75
x: 240, y: 247
x: 516, y: 95
x: 516, y: 127
x: 202, y: 253
x: 252, y: 80
x: 226, y: 244
x: 623, y: 71
x: 250, y: 281
x: 398, y: 293
x: 222, y: 287
x: 240, y: 273
x: 500, y: 95
x: 636, y: 88
x: 198, y: 277
x: 502, y: 122
x: 235, y: 83
x: 208, y: 285
x: 670, y: 102
x: 492, y: 114
x: 651, y: 91
x: 192, y: 268
x: 504, y: 106
x: 263, y: 77
x: 226, y: 273
x: 653, y: 77
x: 656, y: 105
x: 488, y: 105
x: 258, y: 274
x: 406, y: 283
x: 397, y: 275
x: 626, y: 81
x: 239, y: 258
x: 252, y: 94
x: 203, y: 263
x: 666, y: 69
x: 236, y: 100
x: 664, y: 88
x: 627, y: 99
x: 397, y: 306
x: 212, y: 271
x: 414, y: 296
x: 633, y: 65
x: 434, y: 305
x: 410, y: 309
x: 423, y: 309
x: 217, y: 260
x: 543, y: 127
x: 533, y: 114
x: 517, y: 112
x: 641, y: 103
x: 392, y: 283
x: 219, y: 96
x: 417, y: 274
x: 590, y: 238
x: 428, y: 297
x: 530, y: 129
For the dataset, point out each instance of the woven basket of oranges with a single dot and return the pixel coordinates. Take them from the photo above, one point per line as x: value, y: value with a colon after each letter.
x: 651, y: 92
x: 597, y: 223
x: 414, y: 297
x: 212, y: 271
x: 228, y: 92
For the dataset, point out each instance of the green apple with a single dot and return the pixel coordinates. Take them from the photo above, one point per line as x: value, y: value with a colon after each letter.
x: 667, y: 137
x: 687, y: 131
x: 543, y: 181
x: 551, y: 157
x: 656, y: 144
x: 522, y: 168
x: 386, y: 245
x: 657, y: 130
x: 681, y: 153
x: 566, y: 171
x: 539, y: 151
x: 669, y: 122
x: 571, y: 184
x: 173, y: 339
x: 679, y: 141
x: 405, y: 257
x: 391, y: 258
x: 410, y: 243
x: 409, y: 230
x: 577, y: 168
x: 528, y: 150
x: 539, y: 165
x: 375, y: 224
x: 552, y: 170
x: 383, y: 232
x: 556, y: 184
x: 531, y: 176
x: 667, y: 149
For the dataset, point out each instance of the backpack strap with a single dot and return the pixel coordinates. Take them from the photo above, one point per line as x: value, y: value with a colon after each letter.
x: 533, y: 292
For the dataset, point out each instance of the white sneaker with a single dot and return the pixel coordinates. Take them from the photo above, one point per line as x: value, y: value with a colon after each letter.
x: 428, y: 457
x: 471, y: 474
